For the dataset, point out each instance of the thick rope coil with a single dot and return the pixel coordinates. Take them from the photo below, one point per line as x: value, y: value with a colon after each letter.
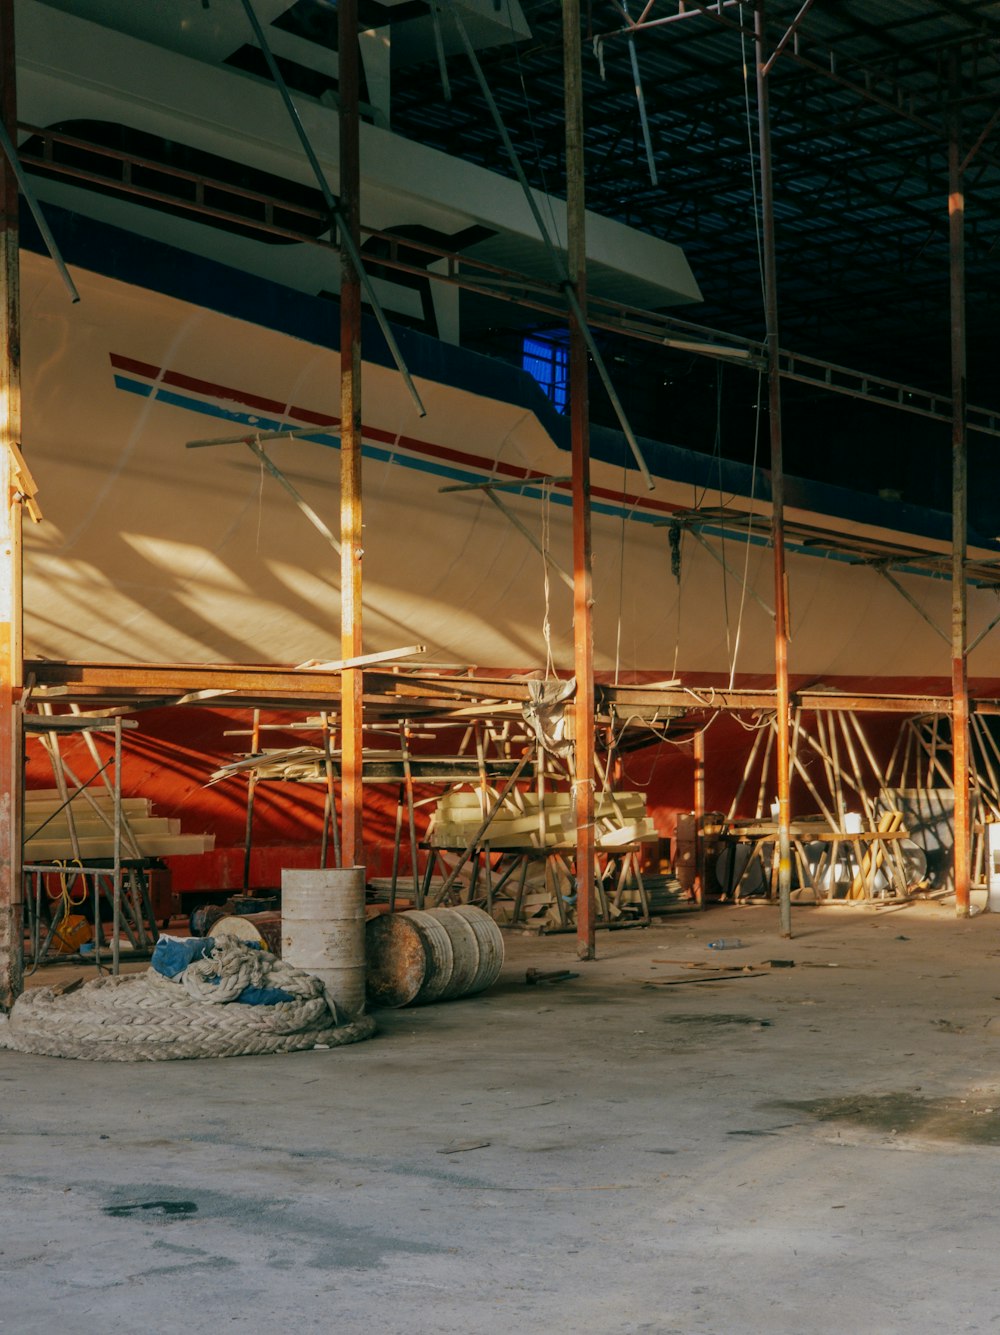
x: 146, y: 1017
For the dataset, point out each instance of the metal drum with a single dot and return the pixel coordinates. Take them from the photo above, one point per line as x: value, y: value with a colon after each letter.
x: 397, y: 960
x: 436, y: 985
x: 491, y: 948
x: 431, y: 955
x: 323, y: 930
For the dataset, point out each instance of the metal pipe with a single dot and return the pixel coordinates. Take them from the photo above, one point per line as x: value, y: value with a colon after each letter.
x: 91, y: 745
x: 11, y: 665
x: 912, y: 601
x: 439, y: 49
x: 565, y: 274
x: 330, y: 802
x: 777, y: 482
x: 959, y: 484
x: 641, y: 102
x: 251, y: 794
x: 983, y: 634
x: 351, y: 528
x: 791, y: 33
x: 698, y: 748
x: 642, y: 23
x: 583, y: 590
x: 404, y: 746
x: 116, y: 881
x: 546, y: 556
x: 280, y: 477
x: 10, y: 152
x: 346, y: 227
x: 743, y: 582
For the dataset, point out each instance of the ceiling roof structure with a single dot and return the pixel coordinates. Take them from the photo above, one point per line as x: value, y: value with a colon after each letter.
x: 863, y: 97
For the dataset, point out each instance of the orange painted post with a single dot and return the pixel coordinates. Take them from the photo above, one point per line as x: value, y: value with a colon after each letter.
x: 698, y: 746
x: 959, y: 484
x: 351, y: 528
x: 583, y: 597
x: 10, y: 542
x: 777, y: 486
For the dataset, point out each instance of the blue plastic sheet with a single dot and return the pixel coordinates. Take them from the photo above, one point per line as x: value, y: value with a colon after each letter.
x: 172, y: 954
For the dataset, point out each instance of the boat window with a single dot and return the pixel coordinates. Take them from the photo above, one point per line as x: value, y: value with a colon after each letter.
x: 161, y: 174
x: 547, y: 359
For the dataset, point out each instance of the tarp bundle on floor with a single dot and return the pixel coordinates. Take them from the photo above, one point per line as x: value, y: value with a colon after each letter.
x: 150, y: 1017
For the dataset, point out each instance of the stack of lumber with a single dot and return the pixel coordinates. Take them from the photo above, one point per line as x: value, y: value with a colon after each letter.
x: 523, y: 821
x: 619, y: 819
x: 47, y: 829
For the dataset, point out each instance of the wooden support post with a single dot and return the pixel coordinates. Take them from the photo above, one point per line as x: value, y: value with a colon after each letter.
x: 351, y: 530
x: 959, y: 459
x: 11, y: 801
x: 777, y: 483
x: 583, y: 631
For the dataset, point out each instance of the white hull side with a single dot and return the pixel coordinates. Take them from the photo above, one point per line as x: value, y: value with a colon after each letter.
x: 151, y: 552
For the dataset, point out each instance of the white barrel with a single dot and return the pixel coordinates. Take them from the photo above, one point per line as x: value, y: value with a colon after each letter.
x: 993, y: 870
x: 323, y: 931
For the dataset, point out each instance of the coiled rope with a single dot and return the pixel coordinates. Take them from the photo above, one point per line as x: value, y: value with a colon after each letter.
x: 146, y: 1017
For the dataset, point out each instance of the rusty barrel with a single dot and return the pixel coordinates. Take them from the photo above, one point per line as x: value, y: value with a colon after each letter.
x: 263, y: 928
x: 429, y: 955
x: 323, y: 930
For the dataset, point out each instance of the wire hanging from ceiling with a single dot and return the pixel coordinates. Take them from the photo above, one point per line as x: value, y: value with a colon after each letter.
x: 753, y: 164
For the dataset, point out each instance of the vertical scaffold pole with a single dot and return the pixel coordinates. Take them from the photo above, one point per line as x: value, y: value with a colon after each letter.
x: 10, y: 541
x: 777, y: 483
x: 351, y: 531
x: 959, y: 482
x: 583, y: 599
x: 698, y: 748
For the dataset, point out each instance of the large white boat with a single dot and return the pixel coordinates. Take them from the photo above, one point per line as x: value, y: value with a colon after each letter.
x: 208, y: 276
x: 192, y: 327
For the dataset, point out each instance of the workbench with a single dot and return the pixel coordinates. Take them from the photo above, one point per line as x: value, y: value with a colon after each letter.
x: 865, y: 852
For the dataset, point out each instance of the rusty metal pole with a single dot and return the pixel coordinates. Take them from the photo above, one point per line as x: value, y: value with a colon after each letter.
x: 583, y: 593
x: 10, y: 542
x: 777, y: 482
x: 959, y: 483
x: 351, y: 532
x: 698, y: 746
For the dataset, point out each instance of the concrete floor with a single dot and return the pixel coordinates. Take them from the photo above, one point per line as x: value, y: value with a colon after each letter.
x: 811, y: 1150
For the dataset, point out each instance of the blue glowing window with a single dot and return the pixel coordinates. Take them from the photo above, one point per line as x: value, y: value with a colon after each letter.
x: 547, y: 359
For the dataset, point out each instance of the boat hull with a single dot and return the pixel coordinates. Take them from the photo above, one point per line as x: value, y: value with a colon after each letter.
x: 153, y: 552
